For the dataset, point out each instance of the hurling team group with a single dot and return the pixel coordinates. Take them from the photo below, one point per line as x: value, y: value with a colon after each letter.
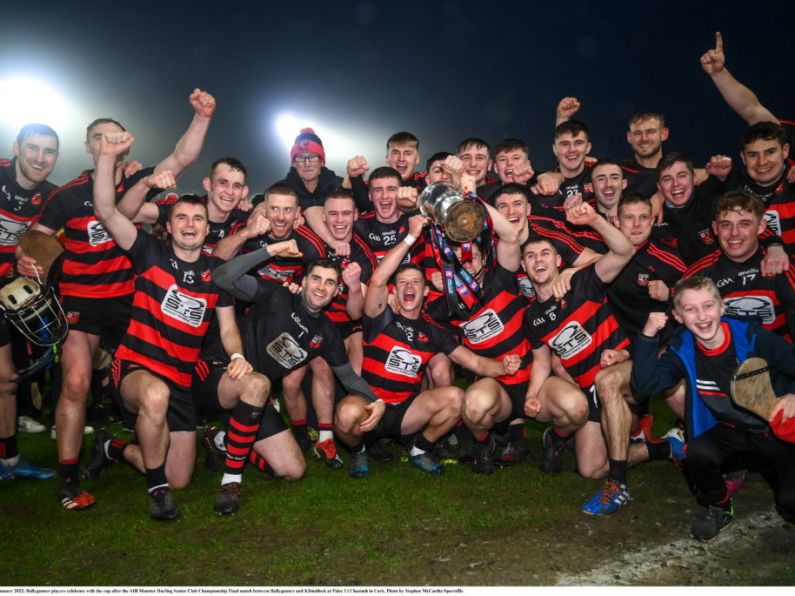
x: 337, y: 315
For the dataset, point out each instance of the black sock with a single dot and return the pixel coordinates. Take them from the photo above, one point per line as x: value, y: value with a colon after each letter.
x: 658, y: 451
x: 156, y: 478
x: 516, y: 433
x: 69, y: 471
x: 618, y: 471
x: 115, y: 449
x: 420, y: 442
x: 8, y: 447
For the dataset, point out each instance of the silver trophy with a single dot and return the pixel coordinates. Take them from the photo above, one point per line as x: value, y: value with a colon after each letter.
x: 460, y: 218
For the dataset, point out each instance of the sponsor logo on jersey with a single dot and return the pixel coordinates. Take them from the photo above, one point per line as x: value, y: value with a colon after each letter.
x: 286, y: 351
x: 773, y: 221
x: 760, y: 307
x: 643, y: 279
x: 11, y: 231
x: 483, y: 328
x: 36, y: 200
x: 403, y: 362
x: 97, y: 234
x: 526, y: 288
x: 706, y: 236
x: 275, y: 274
x: 571, y: 340
x: 184, y: 308
x: 315, y: 342
x: 206, y: 275
x: 724, y: 281
x: 72, y: 317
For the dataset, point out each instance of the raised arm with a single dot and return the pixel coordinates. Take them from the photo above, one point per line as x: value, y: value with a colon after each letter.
x: 190, y: 144
x: 739, y: 97
x: 485, y: 367
x: 133, y: 204
x: 122, y: 230
x: 620, y: 249
x: 508, y: 246
x: 256, y: 225
x: 233, y: 277
x: 567, y: 107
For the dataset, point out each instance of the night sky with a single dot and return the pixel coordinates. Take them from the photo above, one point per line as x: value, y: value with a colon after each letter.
x: 362, y: 70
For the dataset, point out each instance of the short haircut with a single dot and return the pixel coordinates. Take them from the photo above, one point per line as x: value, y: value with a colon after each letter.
x: 385, y: 172
x: 669, y: 159
x: 607, y: 161
x: 646, y: 115
x: 408, y: 267
x: 696, y: 282
x: 403, y: 138
x: 536, y: 239
x: 340, y: 193
x: 37, y: 129
x: 572, y: 127
x: 738, y: 200
x: 633, y: 199
x: 765, y: 131
x: 506, y: 145
x: 512, y: 188
x: 99, y: 121
x: 438, y: 156
x: 281, y: 188
x: 325, y: 264
x: 472, y: 142
x: 233, y: 163
x: 189, y: 199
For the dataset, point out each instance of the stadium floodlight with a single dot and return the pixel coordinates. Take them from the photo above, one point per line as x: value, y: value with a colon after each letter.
x: 26, y: 99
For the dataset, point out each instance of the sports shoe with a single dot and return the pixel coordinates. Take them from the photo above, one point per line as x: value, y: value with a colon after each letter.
x: 24, y: 470
x: 74, y: 498
x: 676, y: 438
x: 553, y: 445
x: 359, y: 467
x: 709, y: 525
x: 513, y: 453
x: 26, y: 424
x: 607, y: 499
x: 326, y: 451
x: 227, y: 499
x: 162, y: 506
x: 483, y: 458
x: 98, y: 458
x: 442, y: 450
x: 301, y: 435
x: 214, y: 456
x: 643, y: 432
x: 466, y: 447
x: 427, y: 463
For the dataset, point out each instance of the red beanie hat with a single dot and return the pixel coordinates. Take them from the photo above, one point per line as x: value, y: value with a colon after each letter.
x: 308, y: 142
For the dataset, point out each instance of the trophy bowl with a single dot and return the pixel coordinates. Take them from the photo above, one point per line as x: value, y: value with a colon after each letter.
x: 460, y: 218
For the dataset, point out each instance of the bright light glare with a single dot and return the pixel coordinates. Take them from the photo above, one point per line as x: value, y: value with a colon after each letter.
x: 27, y: 99
x: 338, y: 147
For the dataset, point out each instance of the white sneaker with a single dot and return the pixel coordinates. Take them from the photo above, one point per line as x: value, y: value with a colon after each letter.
x: 26, y: 424
x: 87, y: 431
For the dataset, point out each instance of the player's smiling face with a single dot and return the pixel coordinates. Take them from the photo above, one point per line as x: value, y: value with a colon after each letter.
x: 514, y: 208
x: 404, y: 158
x: 319, y: 287
x: 36, y: 158
x: 738, y: 233
x: 700, y: 311
x: 570, y: 150
x: 676, y: 184
x: 281, y: 211
x: 225, y: 188
x: 410, y: 290
x: 339, y: 215
x: 764, y: 160
x: 646, y: 137
x: 608, y: 182
x: 540, y: 261
x: 188, y: 225
x: 634, y: 219
x: 476, y: 162
x: 505, y: 162
x: 383, y: 194
x: 437, y: 173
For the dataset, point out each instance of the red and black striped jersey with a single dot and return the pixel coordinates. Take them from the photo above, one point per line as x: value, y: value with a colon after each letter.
x: 493, y: 328
x: 173, y: 305
x: 397, y: 351
x: 747, y: 294
x: 381, y: 237
x: 93, y: 266
x: 628, y: 294
x: 578, y: 328
x: 218, y: 230
x: 779, y: 201
x: 360, y: 253
x: 19, y: 208
x: 282, y: 269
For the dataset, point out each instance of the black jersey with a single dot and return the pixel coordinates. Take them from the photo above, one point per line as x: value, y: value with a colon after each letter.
x: 640, y: 180
x: 578, y: 328
x: 19, y: 207
x: 628, y: 294
x: 173, y: 305
x: 280, y: 334
x: 397, y: 351
x: 291, y: 269
x: 770, y: 301
x: 382, y: 237
x: 580, y: 184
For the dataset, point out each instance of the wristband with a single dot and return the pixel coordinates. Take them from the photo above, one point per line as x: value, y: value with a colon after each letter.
x: 409, y: 239
x: 236, y: 356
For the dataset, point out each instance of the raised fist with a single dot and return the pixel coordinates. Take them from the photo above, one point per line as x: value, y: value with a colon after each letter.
x: 567, y: 107
x: 202, y: 102
x: 357, y: 167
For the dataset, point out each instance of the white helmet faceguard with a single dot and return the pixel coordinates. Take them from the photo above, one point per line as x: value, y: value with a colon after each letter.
x: 37, y: 314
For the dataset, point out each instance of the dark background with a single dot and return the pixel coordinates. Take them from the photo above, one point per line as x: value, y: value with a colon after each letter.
x: 362, y: 70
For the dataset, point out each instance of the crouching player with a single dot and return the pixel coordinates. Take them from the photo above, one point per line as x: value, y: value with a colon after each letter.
x: 398, y: 344
x: 706, y: 353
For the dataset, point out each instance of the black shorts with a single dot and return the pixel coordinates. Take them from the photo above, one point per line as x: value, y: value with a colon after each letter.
x: 107, y: 319
x: 518, y: 395
x: 181, y: 414
x: 206, y: 377
x: 390, y: 423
